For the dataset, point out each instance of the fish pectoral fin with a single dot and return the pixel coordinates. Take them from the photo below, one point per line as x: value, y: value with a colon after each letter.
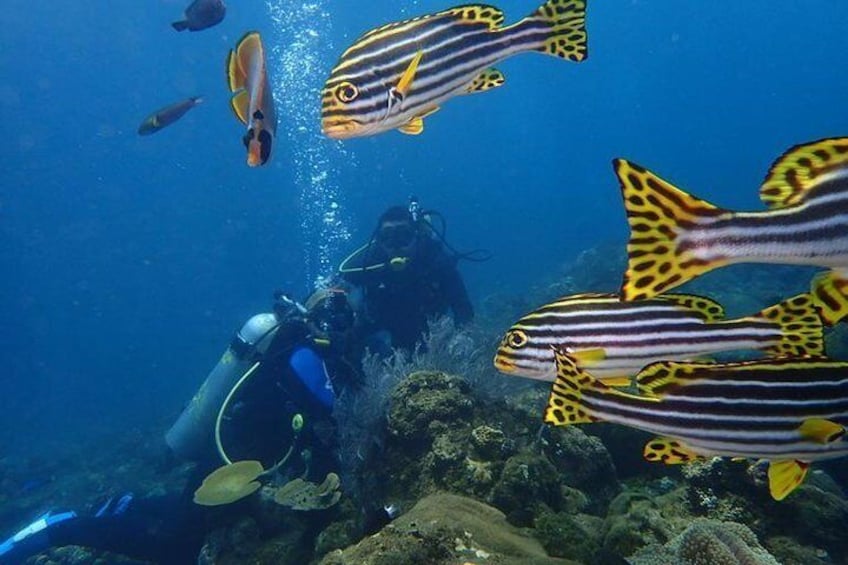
x: 706, y: 308
x: 405, y: 82
x: 565, y: 405
x: 669, y: 451
x: 800, y: 327
x: 802, y: 168
x: 588, y: 357
x: 616, y: 381
x: 821, y: 430
x: 830, y: 294
x: 240, y: 103
x: 487, y: 80
x: 785, y: 476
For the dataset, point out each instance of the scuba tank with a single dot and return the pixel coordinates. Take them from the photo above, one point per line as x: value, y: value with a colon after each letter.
x: 192, y: 435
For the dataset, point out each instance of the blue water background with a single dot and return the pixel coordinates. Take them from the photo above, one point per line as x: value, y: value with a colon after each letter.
x: 128, y: 262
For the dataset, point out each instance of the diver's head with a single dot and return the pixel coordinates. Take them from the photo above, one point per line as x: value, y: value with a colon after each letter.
x: 397, y: 234
x: 330, y: 313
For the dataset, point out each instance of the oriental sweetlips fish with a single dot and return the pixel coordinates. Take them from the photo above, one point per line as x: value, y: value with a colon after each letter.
x: 787, y: 411
x: 252, y: 100
x: 395, y: 75
x: 168, y: 115
x: 614, y: 339
x: 676, y: 237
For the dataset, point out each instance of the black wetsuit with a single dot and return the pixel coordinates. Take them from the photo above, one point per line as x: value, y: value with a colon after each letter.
x: 171, y: 529
x: 401, y: 301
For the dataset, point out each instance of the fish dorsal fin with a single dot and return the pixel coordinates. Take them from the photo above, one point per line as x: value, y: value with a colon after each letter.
x: 669, y: 451
x: 820, y: 430
x: 830, y: 290
x: 240, y: 103
x: 785, y: 476
x: 800, y: 326
x: 658, y: 378
x: 565, y: 406
x: 475, y: 14
x: 405, y: 82
x: 801, y: 169
x: 249, y: 47
x: 235, y: 78
x: 705, y: 308
x: 487, y: 80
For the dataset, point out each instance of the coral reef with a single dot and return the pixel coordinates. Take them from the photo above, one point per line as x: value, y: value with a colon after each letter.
x: 708, y: 542
x: 446, y: 529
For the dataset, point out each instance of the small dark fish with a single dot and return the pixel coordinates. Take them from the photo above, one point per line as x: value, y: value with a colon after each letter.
x: 167, y: 115
x: 201, y: 14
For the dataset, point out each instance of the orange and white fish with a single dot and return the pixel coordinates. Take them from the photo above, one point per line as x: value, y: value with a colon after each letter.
x: 252, y: 100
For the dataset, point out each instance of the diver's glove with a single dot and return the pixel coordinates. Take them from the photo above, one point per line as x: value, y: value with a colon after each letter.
x: 286, y: 308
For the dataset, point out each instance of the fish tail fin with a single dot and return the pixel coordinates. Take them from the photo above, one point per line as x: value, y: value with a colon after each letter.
x: 830, y: 290
x: 800, y: 327
x: 567, y: 38
x: 565, y: 405
x: 197, y: 100
x: 181, y: 25
x: 658, y: 213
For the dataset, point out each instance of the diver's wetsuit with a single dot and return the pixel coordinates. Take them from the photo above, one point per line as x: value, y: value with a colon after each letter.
x: 171, y: 529
x: 400, y: 301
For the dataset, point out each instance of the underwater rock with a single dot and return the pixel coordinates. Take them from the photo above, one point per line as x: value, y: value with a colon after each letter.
x: 583, y: 462
x: 527, y: 479
x: 789, y: 552
x: 814, y: 517
x: 427, y: 402
x: 444, y: 529
x: 576, y: 536
x: 637, y: 518
x: 488, y: 442
x: 708, y: 542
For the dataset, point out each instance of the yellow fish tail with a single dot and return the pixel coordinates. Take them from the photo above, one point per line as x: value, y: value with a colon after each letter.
x: 800, y: 327
x: 658, y: 213
x: 830, y: 290
x: 567, y: 19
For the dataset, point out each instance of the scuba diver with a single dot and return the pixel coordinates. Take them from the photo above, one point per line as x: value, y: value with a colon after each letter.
x: 404, y: 276
x: 269, y: 399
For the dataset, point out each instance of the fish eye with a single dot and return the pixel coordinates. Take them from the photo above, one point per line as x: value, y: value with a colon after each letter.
x: 516, y: 339
x: 346, y: 92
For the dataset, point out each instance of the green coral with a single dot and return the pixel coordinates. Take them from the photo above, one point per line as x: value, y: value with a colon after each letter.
x: 573, y: 536
x: 426, y: 403
x: 708, y: 542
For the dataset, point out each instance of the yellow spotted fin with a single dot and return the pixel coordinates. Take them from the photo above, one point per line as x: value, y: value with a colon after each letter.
x: 785, y: 476
x: 487, y: 80
x: 240, y: 104
x: 830, y: 292
x: 564, y: 403
x: 658, y: 378
x: 405, y: 82
x: 567, y: 37
x: 669, y: 451
x: 658, y: 212
x: 706, y: 308
x: 800, y: 327
x: 800, y: 169
x: 476, y: 14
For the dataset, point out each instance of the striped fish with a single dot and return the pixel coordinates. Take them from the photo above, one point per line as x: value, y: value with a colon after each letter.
x: 395, y: 75
x: 787, y: 411
x: 614, y: 339
x: 252, y: 101
x: 676, y: 237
